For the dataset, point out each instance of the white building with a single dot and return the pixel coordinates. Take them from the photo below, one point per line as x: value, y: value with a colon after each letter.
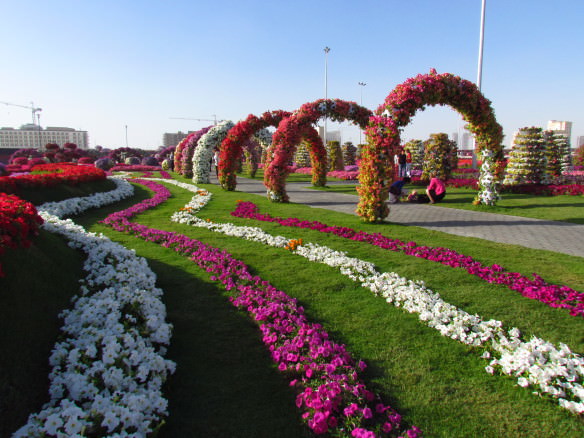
x: 560, y: 127
x: 330, y: 135
x: 34, y: 136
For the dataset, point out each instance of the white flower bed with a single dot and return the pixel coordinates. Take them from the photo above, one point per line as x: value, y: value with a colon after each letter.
x: 204, y: 151
x: 108, y: 371
x: 556, y: 371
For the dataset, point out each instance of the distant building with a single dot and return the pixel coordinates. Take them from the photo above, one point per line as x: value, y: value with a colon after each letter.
x: 454, y: 138
x: 560, y: 127
x: 465, y: 141
x: 173, y: 138
x: 34, y: 136
x: 330, y: 135
x: 579, y: 141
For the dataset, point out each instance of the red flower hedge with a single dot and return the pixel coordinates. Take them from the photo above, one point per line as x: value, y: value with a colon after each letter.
x: 19, y: 222
x: 50, y: 175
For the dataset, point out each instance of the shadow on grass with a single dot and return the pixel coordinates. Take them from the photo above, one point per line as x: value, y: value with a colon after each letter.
x: 29, y: 323
x: 226, y: 384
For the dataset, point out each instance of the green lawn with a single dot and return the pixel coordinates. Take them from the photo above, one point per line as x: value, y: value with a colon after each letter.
x: 563, y: 208
x: 226, y: 384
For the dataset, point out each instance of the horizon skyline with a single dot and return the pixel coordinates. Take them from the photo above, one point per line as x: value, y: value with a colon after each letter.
x: 102, y: 67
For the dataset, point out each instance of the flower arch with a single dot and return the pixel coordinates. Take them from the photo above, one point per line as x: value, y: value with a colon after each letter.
x: 254, y: 126
x: 183, y: 153
x: 204, y: 151
x: 383, y: 135
x: 291, y: 130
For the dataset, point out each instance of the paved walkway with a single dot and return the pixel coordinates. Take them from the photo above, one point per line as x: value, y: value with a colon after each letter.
x: 554, y: 236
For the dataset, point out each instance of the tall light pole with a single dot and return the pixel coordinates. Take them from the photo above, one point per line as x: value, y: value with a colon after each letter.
x: 40, y: 135
x: 479, y: 73
x: 126, y: 135
x: 362, y: 84
x: 326, y: 50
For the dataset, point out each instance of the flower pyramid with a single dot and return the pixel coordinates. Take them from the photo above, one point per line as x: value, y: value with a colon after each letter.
x: 527, y: 160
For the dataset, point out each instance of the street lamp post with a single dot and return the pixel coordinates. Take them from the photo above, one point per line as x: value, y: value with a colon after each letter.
x: 40, y: 135
x: 126, y: 135
x: 326, y: 50
x: 479, y: 73
x: 362, y: 84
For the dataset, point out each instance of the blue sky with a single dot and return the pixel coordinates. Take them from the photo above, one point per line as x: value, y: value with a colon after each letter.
x: 102, y: 65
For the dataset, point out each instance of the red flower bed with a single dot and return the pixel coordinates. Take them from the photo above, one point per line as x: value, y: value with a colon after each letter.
x: 51, y: 175
x: 19, y: 222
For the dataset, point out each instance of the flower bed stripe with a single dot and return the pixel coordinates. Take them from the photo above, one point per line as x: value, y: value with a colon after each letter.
x: 536, y: 288
x: 538, y: 363
x: 330, y: 393
x: 109, y: 368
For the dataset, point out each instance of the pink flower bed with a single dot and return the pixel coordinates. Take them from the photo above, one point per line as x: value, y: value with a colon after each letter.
x: 331, y: 395
x: 534, y: 288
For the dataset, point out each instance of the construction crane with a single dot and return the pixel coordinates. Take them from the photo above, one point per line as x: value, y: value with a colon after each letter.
x: 198, y: 120
x: 32, y: 108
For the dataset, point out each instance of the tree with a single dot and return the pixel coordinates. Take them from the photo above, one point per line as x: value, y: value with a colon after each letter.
x: 579, y: 156
x: 349, y: 153
x: 335, y: 156
x: 527, y: 160
x: 440, y: 156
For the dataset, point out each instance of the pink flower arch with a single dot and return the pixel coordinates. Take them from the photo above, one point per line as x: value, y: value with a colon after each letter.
x: 383, y: 135
x: 291, y: 131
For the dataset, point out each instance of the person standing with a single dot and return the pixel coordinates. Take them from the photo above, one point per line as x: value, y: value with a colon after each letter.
x: 401, y: 159
x: 408, y: 164
x: 216, y: 162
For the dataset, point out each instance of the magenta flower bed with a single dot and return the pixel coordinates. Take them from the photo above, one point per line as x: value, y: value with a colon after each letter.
x: 331, y: 395
x: 535, y: 288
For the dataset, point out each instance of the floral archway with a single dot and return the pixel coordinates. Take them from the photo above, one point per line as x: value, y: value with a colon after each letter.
x: 291, y: 130
x: 205, y: 148
x: 254, y: 126
x: 383, y: 136
x: 183, y: 154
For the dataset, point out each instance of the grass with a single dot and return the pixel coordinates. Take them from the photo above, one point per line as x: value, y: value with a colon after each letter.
x: 291, y: 178
x: 226, y: 385
x: 39, y: 283
x: 564, y: 208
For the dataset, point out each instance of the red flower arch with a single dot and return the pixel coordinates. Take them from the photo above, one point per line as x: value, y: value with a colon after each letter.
x: 298, y: 125
x: 383, y: 135
x: 231, y: 148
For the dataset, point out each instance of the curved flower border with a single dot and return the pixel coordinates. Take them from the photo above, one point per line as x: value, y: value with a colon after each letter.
x: 555, y: 371
x: 330, y: 392
x: 205, y: 148
x: 536, y: 288
x: 290, y: 132
x: 383, y: 134
x: 109, y: 368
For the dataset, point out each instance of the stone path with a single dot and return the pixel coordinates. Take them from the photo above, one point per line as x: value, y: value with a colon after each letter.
x: 561, y: 237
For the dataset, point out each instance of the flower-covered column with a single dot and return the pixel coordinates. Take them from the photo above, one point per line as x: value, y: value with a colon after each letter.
x: 488, y: 192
